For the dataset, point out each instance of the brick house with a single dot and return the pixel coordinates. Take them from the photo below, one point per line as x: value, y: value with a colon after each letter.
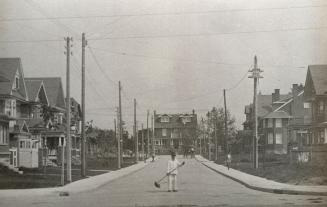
x: 174, y: 131
x: 315, y: 95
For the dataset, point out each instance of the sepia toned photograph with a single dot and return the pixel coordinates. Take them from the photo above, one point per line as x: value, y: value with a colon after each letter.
x: 163, y: 103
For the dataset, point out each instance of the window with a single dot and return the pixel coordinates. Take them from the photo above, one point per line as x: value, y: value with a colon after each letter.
x: 270, y: 138
x: 16, y: 82
x: 22, y: 144
x: 165, y: 119
x: 279, y: 139
x: 270, y: 123
x: 186, y: 119
x: 322, y: 137
x: 320, y: 107
x: 164, y: 132
x: 4, y: 135
x: 28, y: 144
x: 278, y: 122
x: 1, y: 135
x: 306, y: 105
x: 10, y: 107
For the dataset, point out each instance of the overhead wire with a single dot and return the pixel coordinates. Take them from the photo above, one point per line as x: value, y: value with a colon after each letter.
x: 161, y: 14
x: 206, y: 34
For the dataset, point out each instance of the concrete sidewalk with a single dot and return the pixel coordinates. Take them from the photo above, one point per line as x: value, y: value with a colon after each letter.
x: 263, y: 184
x: 83, y: 185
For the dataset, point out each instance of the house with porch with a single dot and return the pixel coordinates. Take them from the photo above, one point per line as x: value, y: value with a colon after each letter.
x: 53, y: 132
x: 4, y: 130
x: 174, y: 131
x: 315, y: 96
x: 15, y: 105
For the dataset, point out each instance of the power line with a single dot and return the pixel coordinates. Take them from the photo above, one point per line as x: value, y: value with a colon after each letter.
x: 158, y: 14
x: 31, y: 41
x: 185, y: 60
x: 99, y: 66
x: 171, y: 36
x: 238, y: 82
x: 44, y: 13
x: 206, y: 34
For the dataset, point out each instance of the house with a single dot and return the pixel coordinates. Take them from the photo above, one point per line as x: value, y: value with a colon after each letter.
x: 315, y: 96
x: 4, y: 130
x: 174, y: 131
x: 54, y: 131
x: 76, y: 129
x: 283, y: 120
x: 14, y: 103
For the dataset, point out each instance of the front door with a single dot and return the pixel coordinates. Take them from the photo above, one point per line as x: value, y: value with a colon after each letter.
x: 13, y: 157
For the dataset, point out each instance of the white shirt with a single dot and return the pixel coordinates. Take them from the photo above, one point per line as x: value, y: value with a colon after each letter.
x: 173, y: 164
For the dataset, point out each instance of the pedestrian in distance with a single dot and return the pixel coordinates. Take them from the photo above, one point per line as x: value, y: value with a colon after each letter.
x: 172, y: 172
x: 152, y: 155
x: 229, y: 159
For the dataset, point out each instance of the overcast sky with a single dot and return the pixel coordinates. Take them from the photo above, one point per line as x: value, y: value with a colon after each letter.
x: 172, y: 56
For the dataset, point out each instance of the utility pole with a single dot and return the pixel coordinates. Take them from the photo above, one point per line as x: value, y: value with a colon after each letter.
x: 203, y: 128
x: 62, y: 140
x: 118, y: 144
x: 135, y: 136
x: 69, y: 164
x: 147, y: 134
x: 83, y: 154
x: 216, y: 140
x: 152, y: 141
x: 120, y: 125
x: 255, y: 75
x: 226, y: 127
x: 143, y: 144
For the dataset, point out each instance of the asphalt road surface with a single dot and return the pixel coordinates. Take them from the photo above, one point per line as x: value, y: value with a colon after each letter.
x: 198, y: 186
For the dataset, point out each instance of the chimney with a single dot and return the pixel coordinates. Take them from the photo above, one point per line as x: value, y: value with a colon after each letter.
x: 193, y: 111
x: 275, y: 96
x: 295, y: 90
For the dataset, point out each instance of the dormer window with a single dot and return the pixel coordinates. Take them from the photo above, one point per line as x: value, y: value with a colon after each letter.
x: 164, y: 119
x: 16, y: 83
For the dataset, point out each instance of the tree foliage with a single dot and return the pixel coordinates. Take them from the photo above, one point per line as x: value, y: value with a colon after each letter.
x: 215, y: 122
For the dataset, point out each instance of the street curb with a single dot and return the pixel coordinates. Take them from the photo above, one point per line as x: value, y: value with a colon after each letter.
x: 268, y: 190
x: 78, y: 186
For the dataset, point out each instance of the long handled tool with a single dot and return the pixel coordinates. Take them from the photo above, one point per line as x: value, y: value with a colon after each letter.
x: 157, y: 183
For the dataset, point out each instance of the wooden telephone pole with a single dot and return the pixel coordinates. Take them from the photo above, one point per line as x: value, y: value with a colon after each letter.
x: 147, y: 134
x: 135, y: 135
x: 255, y: 75
x: 143, y: 144
x: 120, y: 126
x: 118, y: 144
x: 83, y: 151
x: 226, y: 127
x: 68, y: 53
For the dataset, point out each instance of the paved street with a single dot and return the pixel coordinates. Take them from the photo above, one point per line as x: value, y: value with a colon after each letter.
x: 198, y: 185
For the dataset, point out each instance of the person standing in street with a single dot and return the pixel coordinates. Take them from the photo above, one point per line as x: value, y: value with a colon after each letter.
x: 172, y: 172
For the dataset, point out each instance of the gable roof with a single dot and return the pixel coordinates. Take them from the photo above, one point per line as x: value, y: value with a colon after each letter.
x: 8, y: 70
x: 318, y: 75
x: 54, y: 90
x: 265, y: 103
x: 278, y: 114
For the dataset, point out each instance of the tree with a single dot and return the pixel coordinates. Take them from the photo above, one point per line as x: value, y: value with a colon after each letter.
x: 47, y: 113
x: 216, y: 120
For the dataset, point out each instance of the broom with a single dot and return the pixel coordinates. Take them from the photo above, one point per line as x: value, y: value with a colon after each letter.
x: 157, y: 183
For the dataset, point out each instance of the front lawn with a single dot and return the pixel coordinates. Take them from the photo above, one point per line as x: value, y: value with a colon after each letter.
x: 51, y: 176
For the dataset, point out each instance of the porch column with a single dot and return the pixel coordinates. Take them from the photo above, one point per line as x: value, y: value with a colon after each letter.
x: 18, y: 150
